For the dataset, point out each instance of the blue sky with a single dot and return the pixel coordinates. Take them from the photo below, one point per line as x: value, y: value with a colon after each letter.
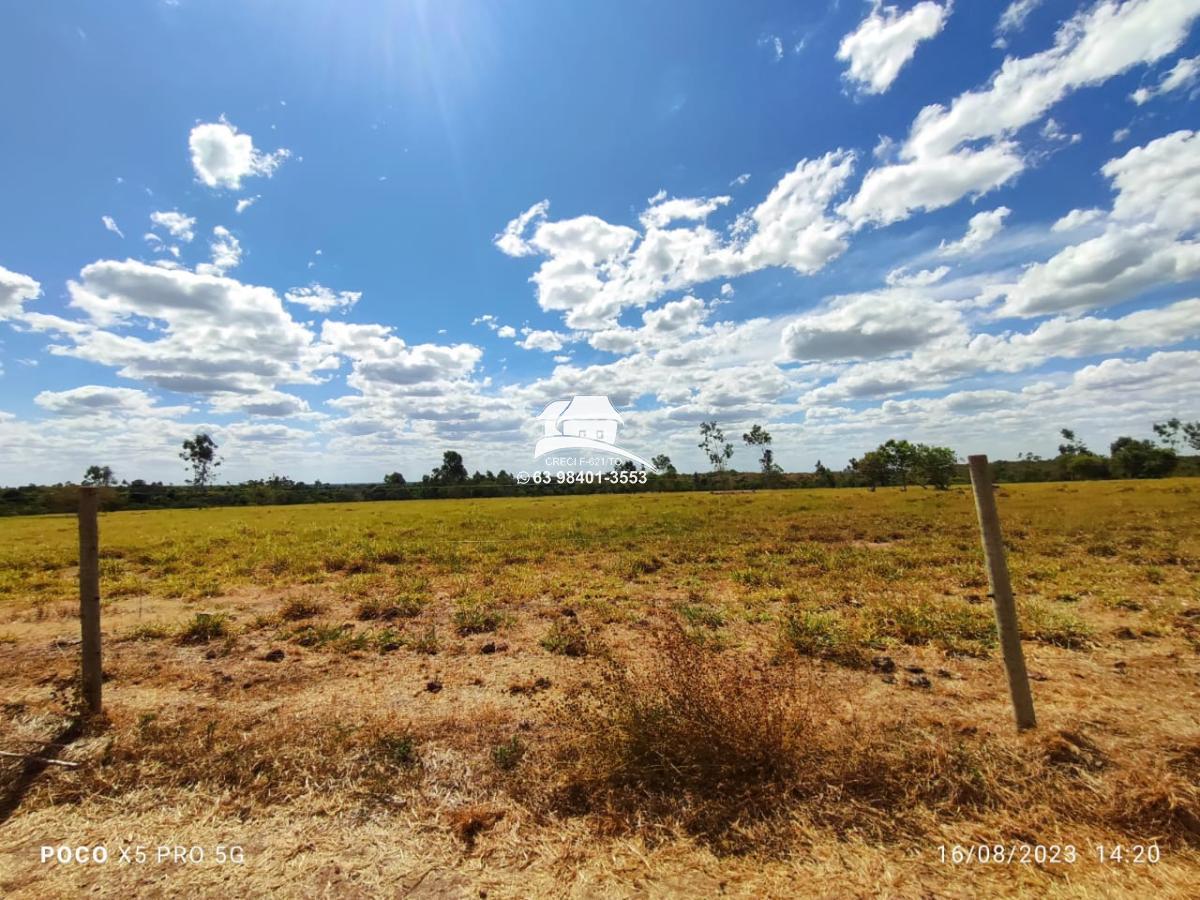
x: 389, y: 229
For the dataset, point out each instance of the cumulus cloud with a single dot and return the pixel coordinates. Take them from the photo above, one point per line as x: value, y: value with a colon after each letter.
x: 1076, y: 219
x: 869, y: 325
x: 886, y: 40
x: 546, y: 341
x: 212, y: 334
x: 269, y: 404
x: 246, y: 202
x: 593, y: 269
x: 966, y: 148
x: 506, y: 331
x: 321, y: 299
x: 110, y: 224
x: 226, y: 253
x: 96, y: 399
x: 1148, y: 236
x: 663, y: 211
x: 178, y: 225
x: 16, y: 290
x: 980, y: 230
x: 381, y: 361
x: 511, y: 240
x: 222, y: 156
x: 901, y: 277
x: 1181, y: 76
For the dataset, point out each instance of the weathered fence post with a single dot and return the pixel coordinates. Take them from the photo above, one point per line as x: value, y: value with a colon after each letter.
x: 1002, y: 596
x: 89, y: 598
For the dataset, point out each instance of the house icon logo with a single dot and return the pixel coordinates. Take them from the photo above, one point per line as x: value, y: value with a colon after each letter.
x: 585, y: 422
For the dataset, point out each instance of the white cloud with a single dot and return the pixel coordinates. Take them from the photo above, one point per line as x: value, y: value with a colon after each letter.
x: 16, y: 290
x: 980, y: 230
x: 942, y: 160
x: 226, y: 253
x: 506, y: 331
x: 546, y: 341
x: 870, y: 325
x: 210, y: 334
x: 222, y: 156
x: 95, y: 400
x: 321, y: 299
x: 1076, y: 219
x: 110, y: 224
x: 271, y: 404
x: 1182, y: 75
x: 178, y: 225
x: 663, y: 212
x: 511, y: 240
x: 891, y: 193
x: 383, y: 362
x: 887, y: 39
x: 901, y: 277
x: 1145, y: 242
x: 740, y: 180
x: 1013, y: 18
x: 246, y: 202
x: 594, y: 270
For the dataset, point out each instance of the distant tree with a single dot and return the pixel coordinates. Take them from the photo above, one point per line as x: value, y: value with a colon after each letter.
x: 1086, y: 467
x: 874, y: 467
x: 625, y: 466
x: 1028, y: 456
x: 824, y: 476
x: 452, y: 470
x: 1071, y: 446
x: 758, y: 436
x: 393, y: 478
x: 1175, y: 433
x: 98, y: 476
x: 934, y: 465
x: 200, y: 453
x: 712, y: 441
x: 1141, y: 459
x: 901, y: 456
x: 663, y: 463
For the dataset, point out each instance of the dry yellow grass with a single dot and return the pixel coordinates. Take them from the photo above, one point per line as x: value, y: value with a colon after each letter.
x: 614, y: 696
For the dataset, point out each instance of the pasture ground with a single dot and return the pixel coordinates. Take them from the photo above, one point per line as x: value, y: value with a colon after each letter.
x: 774, y: 694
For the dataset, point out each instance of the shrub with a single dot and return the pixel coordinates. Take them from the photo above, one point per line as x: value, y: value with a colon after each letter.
x: 473, y: 617
x: 204, y: 627
x: 300, y: 608
x: 566, y: 638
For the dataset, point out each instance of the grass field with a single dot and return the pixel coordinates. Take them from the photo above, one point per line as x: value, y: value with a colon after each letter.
x: 769, y: 694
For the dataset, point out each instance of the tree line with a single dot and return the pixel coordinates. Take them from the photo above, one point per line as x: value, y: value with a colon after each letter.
x: 896, y: 462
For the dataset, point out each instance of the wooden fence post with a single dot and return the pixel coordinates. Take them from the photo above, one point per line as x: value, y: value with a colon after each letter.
x: 1002, y: 596
x: 89, y: 598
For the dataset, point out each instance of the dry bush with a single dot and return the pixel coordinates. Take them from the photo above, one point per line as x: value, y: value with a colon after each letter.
x: 249, y: 760
x: 732, y: 749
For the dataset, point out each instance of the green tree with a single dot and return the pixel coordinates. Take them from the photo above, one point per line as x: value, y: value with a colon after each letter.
x: 200, y: 453
x: 1071, y: 446
x: 901, y: 457
x: 874, y: 467
x: 452, y: 470
x: 712, y: 441
x: 758, y: 436
x: 98, y: 476
x: 824, y: 477
x: 663, y: 463
x: 934, y: 465
x: 1087, y: 467
x: 393, y: 478
x: 1141, y: 459
x: 1175, y: 433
